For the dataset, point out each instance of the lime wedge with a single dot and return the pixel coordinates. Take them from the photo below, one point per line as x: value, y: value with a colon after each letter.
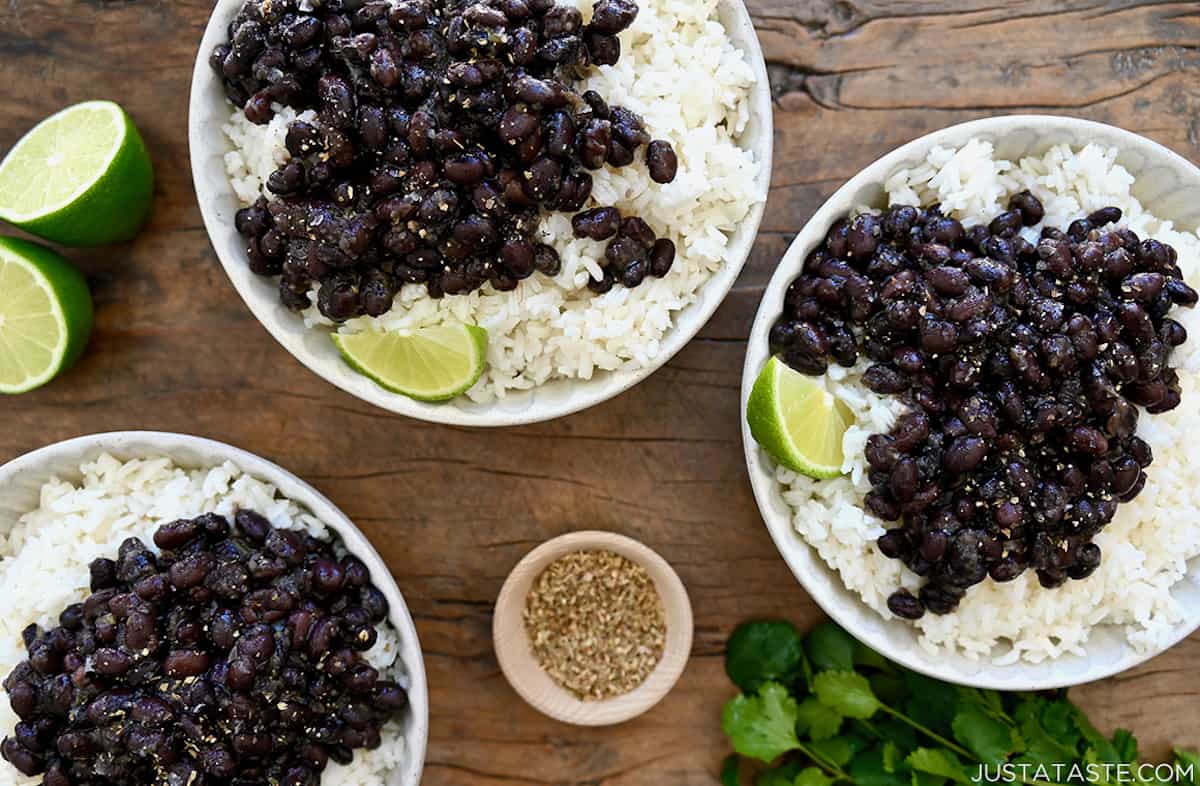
x: 80, y: 178
x: 797, y: 421
x: 431, y: 364
x: 45, y: 315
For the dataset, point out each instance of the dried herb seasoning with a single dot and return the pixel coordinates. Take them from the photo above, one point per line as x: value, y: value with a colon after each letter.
x: 596, y: 624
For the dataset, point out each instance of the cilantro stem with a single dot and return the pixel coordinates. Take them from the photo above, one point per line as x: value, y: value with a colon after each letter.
x: 961, y: 751
x: 829, y: 767
x: 954, y: 746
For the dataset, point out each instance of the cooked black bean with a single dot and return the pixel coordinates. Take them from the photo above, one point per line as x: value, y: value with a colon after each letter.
x: 1181, y: 293
x: 604, y: 283
x: 1007, y: 224
x: 613, y: 16
x: 103, y: 573
x: 602, y: 49
x: 662, y: 256
x: 599, y: 223
x: 1024, y: 368
x: 1105, y: 215
x: 1031, y: 208
x: 183, y: 686
x: 940, y: 599
x: 594, y: 141
x: 546, y: 260
x: 885, y: 379
x: 662, y: 161
x: 904, y: 604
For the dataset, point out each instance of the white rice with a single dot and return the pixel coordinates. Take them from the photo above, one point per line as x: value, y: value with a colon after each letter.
x: 1148, y: 542
x: 682, y: 73
x: 44, y: 565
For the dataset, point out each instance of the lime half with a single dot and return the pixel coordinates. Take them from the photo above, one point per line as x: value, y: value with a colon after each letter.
x: 430, y: 364
x: 45, y: 315
x: 795, y: 419
x: 80, y: 178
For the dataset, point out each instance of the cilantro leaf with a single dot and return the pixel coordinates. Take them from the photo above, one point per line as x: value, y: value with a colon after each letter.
x: 866, y: 718
x: 982, y: 734
x: 890, y: 688
x: 764, y: 651
x: 731, y: 770
x: 988, y: 701
x: 830, y: 648
x: 783, y: 775
x: 848, y: 692
x: 1126, y: 746
x: 871, y: 768
x: 1100, y: 748
x: 931, y: 703
x: 925, y: 779
x: 1041, y: 746
x: 1187, y: 767
x: 941, y: 763
x: 890, y: 755
x: 762, y: 726
x: 1058, y: 718
x: 898, y: 733
x: 1101, y: 770
x: 817, y: 720
x: 812, y: 776
x: 838, y: 750
x: 866, y: 657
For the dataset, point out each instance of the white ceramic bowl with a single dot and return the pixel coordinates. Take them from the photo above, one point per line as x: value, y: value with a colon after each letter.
x: 209, y: 111
x: 1169, y: 187
x: 22, y: 478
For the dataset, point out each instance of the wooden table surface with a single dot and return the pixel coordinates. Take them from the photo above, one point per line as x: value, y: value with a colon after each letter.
x: 452, y: 510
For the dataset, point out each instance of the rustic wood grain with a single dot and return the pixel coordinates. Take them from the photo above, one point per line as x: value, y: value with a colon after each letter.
x: 452, y: 510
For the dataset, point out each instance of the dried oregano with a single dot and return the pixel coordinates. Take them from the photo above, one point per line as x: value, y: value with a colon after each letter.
x: 596, y: 623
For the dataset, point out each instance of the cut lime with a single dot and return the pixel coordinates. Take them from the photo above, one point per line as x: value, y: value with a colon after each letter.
x: 430, y: 364
x: 80, y: 178
x: 795, y: 419
x: 45, y: 315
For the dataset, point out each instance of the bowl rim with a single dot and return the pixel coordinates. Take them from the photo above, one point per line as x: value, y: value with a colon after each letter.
x: 532, y: 684
x: 131, y: 444
x: 583, y: 394
x: 822, y: 589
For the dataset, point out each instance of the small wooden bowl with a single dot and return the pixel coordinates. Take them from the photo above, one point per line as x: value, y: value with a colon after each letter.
x: 543, y: 693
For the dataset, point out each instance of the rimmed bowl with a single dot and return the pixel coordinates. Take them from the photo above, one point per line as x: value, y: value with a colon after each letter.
x: 536, y: 687
x: 22, y: 478
x: 209, y: 111
x: 1168, y: 186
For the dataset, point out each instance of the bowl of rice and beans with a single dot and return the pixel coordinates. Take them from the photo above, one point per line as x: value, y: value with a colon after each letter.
x: 579, y: 183
x: 177, y: 611
x: 997, y: 316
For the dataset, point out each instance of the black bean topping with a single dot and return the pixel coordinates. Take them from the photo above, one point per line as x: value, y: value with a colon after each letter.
x: 662, y: 161
x: 613, y: 16
x: 904, y: 604
x: 1031, y: 208
x: 601, y: 223
x: 662, y: 256
x: 446, y: 130
x: 170, y: 671
x: 1024, y: 367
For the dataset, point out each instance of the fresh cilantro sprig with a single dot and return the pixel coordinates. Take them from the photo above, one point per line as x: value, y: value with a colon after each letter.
x: 824, y: 710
